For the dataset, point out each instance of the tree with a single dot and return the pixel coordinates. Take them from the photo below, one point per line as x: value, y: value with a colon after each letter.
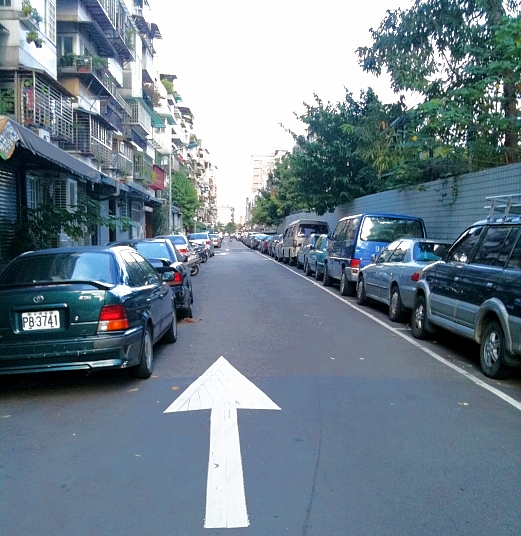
x: 184, y: 196
x: 463, y: 57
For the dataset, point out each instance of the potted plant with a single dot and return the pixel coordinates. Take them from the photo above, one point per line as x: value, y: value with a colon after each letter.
x: 31, y: 36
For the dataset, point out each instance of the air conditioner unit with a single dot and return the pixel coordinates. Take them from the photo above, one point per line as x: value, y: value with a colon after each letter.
x: 42, y: 133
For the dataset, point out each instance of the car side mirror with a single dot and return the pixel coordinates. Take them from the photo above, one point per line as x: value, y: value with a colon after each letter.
x: 311, y: 246
x: 373, y: 258
x: 167, y: 276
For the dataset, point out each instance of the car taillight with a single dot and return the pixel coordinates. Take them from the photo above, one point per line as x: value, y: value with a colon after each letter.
x: 416, y: 275
x: 183, y: 251
x: 112, y: 318
x: 354, y: 263
x: 208, y: 242
x: 178, y: 280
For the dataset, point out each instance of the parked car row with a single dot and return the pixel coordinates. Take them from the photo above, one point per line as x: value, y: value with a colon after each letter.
x: 96, y: 307
x: 471, y: 287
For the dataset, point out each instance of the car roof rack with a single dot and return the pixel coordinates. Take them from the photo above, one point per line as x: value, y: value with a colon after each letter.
x: 507, y: 204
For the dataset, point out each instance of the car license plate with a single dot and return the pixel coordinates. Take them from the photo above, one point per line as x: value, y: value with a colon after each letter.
x: 40, y: 320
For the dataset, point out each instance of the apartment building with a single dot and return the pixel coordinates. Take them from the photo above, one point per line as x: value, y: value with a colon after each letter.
x: 262, y: 165
x: 88, y: 115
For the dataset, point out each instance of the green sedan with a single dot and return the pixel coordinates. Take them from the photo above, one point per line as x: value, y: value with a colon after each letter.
x: 85, y: 308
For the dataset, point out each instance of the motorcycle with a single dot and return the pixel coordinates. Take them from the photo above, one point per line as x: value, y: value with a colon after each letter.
x: 202, y: 251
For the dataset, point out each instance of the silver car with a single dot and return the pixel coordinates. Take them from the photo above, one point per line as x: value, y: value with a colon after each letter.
x: 391, y: 277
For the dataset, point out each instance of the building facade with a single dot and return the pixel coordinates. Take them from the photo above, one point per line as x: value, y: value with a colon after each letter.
x: 91, y: 116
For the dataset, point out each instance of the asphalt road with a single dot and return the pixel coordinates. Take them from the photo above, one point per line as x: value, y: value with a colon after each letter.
x: 377, y: 434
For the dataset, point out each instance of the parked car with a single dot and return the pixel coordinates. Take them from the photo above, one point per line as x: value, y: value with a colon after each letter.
x: 216, y: 239
x: 307, y: 245
x: 265, y: 245
x: 202, y: 238
x: 295, y: 235
x: 83, y: 308
x: 391, y: 278
x: 356, y: 238
x: 156, y: 249
x: 278, y: 250
x: 273, y: 244
x: 475, y: 292
x: 314, y: 263
x: 256, y: 240
x: 187, y: 251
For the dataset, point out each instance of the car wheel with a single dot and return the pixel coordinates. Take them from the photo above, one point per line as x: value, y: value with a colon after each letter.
x: 204, y: 258
x: 327, y: 281
x: 492, y: 351
x: 318, y: 273
x: 285, y: 260
x: 360, y: 292
x: 170, y: 335
x: 194, y: 270
x: 395, y: 305
x: 418, y: 318
x: 347, y: 288
x: 307, y: 269
x: 146, y: 363
x: 191, y: 295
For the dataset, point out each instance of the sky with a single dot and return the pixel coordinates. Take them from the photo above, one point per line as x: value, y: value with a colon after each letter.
x: 244, y: 68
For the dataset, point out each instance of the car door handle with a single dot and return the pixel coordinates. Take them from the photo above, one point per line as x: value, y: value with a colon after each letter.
x: 456, y: 279
x: 490, y: 285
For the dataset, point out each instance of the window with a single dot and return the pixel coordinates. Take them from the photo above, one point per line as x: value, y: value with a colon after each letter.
x: 65, y: 193
x: 399, y: 253
x: 387, y: 252
x: 5, y: 3
x: 385, y: 229
x: 491, y: 245
x: 463, y: 247
x: 136, y: 275
x: 50, y: 20
x: 340, y: 231
x: 514, y: 263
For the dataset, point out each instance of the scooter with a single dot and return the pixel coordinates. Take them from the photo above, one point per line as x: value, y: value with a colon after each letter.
x: 201, y: 250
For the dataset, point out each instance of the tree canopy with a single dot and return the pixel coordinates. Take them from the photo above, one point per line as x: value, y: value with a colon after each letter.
x: 184, y: 196
x: 461, y: 59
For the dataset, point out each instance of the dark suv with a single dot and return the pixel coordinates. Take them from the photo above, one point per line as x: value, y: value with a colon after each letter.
x: 475, y: 291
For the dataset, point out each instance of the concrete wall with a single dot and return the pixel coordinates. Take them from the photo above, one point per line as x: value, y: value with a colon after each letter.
x: 448, y: 206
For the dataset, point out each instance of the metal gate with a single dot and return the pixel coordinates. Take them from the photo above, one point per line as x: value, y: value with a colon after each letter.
x: 8, y: 212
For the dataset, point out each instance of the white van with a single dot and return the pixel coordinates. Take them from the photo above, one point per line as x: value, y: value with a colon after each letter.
x: 295, y: 235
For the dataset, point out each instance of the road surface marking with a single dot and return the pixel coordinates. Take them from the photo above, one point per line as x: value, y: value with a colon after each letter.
x: 223, y: 389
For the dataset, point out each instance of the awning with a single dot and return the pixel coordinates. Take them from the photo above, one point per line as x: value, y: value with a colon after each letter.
x: 157, y: 122
x: 38, y: 146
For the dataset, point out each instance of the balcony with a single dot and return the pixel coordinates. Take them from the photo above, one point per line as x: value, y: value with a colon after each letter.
x: 143, y: 168
x: 91, y: 138
x: 140, y: 120
x: 121, y: 162
x: 92, y: 69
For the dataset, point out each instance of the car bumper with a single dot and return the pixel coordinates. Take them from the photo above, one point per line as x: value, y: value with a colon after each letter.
x: 91, y: 353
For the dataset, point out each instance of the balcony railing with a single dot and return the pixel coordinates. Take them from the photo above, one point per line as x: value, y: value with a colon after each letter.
x: 102, y: 83
x: 143, y: 168
x: 140, y: 119
x: 91, y: 138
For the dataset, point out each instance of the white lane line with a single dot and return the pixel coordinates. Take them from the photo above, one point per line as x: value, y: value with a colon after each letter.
x: 414, y: 342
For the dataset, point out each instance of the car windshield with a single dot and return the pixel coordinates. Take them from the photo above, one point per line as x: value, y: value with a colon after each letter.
x: 85, y: 266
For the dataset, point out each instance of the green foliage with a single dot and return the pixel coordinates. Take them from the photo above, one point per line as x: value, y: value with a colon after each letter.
x: 169, y: 86
x: 463, y: 58
x: 160, y: 221
x: 184, y: 196
x: 230, y: 227
x: 38, y: 228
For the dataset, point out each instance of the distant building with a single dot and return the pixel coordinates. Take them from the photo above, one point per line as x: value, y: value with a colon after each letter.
x: 262, y: 166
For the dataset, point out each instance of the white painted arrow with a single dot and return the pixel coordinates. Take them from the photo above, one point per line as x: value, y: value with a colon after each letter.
x: 223, y: 389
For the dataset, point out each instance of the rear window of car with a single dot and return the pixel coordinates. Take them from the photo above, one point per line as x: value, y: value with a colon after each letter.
x: 153, y: 250
x: 197, y: 236
x: 75, y: 266
x: 179, y: 240
x: 388, y: 229
x: 307, y: 229
x: 429, y: 251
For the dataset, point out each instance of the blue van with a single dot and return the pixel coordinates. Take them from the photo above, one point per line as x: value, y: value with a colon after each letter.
x: 356, y: 238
